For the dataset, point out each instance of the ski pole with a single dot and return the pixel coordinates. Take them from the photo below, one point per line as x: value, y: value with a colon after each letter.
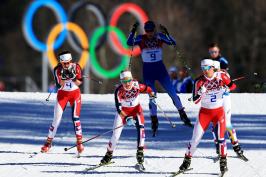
x: 173, y: 125
x: 244, y: 77
x: 94, y: 137
x: 47, y: 99
x: 99, y: 82
x: 132, y: 48
x: 165, y: 31
x: 233, y: 80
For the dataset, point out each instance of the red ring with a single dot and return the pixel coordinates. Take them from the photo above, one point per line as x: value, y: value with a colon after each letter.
x: 141, y: 16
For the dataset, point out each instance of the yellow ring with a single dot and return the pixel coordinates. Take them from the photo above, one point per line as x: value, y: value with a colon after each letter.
x: 80, y: 34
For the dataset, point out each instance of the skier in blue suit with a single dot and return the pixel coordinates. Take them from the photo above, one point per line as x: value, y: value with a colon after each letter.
x: 154, y: 69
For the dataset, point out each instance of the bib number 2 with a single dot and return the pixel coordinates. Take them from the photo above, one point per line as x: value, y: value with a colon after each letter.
x: 213, y: 98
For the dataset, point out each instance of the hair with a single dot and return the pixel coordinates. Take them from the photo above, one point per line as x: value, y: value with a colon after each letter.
x: 63, y: 52
x: 125, y: 70
x: 213, y: 44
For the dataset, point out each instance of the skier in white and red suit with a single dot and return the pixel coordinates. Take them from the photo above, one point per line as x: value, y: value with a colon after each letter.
x: 129, y: 111
x: 68, y: 78
x: 209, y: 89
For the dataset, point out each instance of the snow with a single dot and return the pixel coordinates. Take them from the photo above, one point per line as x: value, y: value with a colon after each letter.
x: 25, y: 118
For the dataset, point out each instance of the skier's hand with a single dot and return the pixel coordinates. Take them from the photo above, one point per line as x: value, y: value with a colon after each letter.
x: 202, y: 90
x: 122, y: 114
x: 226, y: 90
x: 130, y: 121
x: 164, y: 29
x: 152, y: 96
x: 72, y: 73
x: 64, y: 74
x: 135, y: 27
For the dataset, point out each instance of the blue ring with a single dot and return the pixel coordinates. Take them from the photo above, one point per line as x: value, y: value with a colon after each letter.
x: 27, y: 24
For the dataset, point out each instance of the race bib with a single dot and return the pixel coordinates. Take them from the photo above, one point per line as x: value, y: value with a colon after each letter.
x: 151, y: 55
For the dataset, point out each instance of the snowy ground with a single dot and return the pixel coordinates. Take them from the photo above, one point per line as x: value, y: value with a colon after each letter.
x: 25, y: 118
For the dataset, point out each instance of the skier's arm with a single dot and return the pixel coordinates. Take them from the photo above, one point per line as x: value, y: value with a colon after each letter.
x: 132, y: 40
x: 78, y: 78
x: 118, y: 103
x: 227, y: 81
x: 196, y: 90
x: 58, y: 76
x: 166, y: 39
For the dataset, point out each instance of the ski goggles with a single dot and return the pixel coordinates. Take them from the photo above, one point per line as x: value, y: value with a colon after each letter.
x: 205, y: 68
x: 213, y: 52
x: 126, y: 81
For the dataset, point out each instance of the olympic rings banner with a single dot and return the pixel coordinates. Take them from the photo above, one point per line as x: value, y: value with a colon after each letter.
x: 86, y: 45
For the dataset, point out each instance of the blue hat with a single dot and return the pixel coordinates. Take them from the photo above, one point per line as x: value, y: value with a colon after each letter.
x: 149, y: 26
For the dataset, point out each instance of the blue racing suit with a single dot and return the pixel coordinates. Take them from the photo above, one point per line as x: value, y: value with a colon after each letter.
x: 153, y: 67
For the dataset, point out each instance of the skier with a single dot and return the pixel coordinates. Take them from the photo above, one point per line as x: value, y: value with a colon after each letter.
x: 209, y: 89
x: 129, y: 111
x: 68, y: 78
x: 153, y: 67
x: 231, y: 131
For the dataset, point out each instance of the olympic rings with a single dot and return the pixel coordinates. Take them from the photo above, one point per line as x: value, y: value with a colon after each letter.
x: 116, y: 39
x: 136, y: 11
x: 27, y: 23
x: 96, y: 66
x: 79, y: 32
x: 97, y: 11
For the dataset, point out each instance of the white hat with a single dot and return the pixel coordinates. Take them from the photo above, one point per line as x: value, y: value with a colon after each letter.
x: 172, y: 69
x: 206, y: 62
x: 65, y: 57
x: 125, y: 75
x: 216, y: 64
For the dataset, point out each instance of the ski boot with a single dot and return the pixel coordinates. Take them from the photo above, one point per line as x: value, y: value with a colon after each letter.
x: 107, y: 158
x: 154, y: 125
x: 80, y: 147
x: 140, y: 155
x: 239, y: 152
x: 48, y: 144
x: 186, y: 163
x: 223, y: 165
x: 184, y: 118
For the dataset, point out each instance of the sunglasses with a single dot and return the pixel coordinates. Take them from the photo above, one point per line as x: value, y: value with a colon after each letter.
x: 213, y: 52
x: 205, y: 68
x: 125, y: 81
x: 65, y: 63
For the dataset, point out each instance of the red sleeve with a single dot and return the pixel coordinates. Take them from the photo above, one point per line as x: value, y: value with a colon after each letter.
x: 197, y: 84
x: 78, y: 72
x: 57, y: 75
x: 227, y: 81
x: 144, y: 88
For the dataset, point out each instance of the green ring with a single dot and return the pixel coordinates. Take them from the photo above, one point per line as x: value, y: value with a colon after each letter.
x: 95, y: 65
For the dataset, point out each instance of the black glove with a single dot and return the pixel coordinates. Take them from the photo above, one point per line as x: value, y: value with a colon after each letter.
x: 72, y: 74
x: 135, y: 27
x: 164, y: 30
x: 64, y: 74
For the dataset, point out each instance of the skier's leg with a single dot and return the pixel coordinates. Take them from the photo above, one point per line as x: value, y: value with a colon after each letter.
x: 60, y: 105
x: 116, y: 133
x: 114, y: 139
x: 141, y: 137
x: 153, y: 108
x: 167, y: 85
x: 76, y: 107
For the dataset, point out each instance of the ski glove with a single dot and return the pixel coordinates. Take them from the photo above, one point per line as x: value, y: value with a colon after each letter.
x: 130, y: 121
x: 135, y: 27
x: 152, y: 96
x: 226, y: 90
x: 164, y: 29
x: 72, y: 74
x: 202, y: 90
x: 64, y: 74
